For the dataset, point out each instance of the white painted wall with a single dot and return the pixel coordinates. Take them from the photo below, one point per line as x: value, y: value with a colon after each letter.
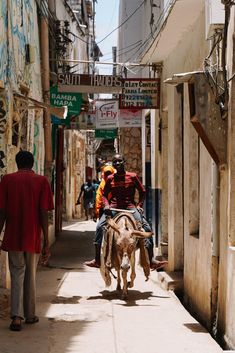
x: 184, y: 50
x: 194, y: 255
x: 227, y: 219
x: 196, y: 252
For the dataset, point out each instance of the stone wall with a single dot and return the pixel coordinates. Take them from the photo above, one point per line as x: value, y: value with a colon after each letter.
x: 130, y: 148
x: 74, y: 173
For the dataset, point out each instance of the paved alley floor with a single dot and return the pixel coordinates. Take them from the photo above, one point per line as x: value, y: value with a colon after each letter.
x: 79, y: 315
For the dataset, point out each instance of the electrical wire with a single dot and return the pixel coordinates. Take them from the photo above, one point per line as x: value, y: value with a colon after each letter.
x: 111, y: 18
x: 216, y: 74
x: 162, y: 16
x: 124, y: 52
x: 73, y: 34
x: 127, y: 19
x: 130, y: 45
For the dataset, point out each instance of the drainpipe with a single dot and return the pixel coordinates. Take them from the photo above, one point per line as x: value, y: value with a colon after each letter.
x: 44, y: 40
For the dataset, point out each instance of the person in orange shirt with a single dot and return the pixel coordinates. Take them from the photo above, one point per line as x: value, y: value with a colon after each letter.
x: 107, y: 170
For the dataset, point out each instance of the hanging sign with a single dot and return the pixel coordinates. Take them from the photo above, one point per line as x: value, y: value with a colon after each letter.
x: 89, y: 83
x: 72, y: 100
x: 105, y: 133
x: 85, y: 121
x: 106, y: 114
x: 129, y: 118
x: 140, y: 93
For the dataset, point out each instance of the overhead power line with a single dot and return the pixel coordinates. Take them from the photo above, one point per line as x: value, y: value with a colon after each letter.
x: 153, y: 35
x: 128, y: 46
x: 122, y: 23
x: 125, y: 52
x: 100, y: 62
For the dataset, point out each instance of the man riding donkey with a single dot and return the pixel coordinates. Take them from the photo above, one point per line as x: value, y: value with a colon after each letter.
x: 119, y: 193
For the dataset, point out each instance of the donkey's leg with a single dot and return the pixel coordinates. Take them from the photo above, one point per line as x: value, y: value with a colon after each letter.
x: 133, y: 274
x: 118, y: 280
x: 125, y: 286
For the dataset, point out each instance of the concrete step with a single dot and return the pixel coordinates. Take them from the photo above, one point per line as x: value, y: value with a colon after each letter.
x: 171, y: 280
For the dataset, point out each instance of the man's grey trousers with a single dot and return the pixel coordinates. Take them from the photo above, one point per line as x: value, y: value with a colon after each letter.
x: 23, y: 266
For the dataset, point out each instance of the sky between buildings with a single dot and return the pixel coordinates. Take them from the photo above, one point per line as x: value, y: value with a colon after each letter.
x: 106, y: 22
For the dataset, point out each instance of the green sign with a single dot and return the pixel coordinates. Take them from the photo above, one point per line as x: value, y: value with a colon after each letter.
x: 105, y: 134
x: 72, y: 100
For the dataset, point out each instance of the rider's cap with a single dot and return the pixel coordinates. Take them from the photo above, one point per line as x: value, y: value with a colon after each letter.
x: 108, y: 168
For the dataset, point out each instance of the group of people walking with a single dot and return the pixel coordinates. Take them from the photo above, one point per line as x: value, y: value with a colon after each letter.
x: 25, y: 200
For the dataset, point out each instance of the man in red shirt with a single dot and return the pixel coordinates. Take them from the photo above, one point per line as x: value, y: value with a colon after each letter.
x: 25, y: 199
x: 122, y: 186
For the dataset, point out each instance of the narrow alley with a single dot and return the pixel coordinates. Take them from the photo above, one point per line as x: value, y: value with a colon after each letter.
x: 78, y: 314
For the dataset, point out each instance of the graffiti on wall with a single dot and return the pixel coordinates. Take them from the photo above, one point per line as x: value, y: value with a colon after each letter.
x: 18, y: 28
x: 3, y: 112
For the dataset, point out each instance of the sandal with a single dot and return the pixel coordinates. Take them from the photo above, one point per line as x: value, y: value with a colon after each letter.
x: 32, y: 320
x: 157, y: 265
x: 15, y: 324
x: 92, y: 263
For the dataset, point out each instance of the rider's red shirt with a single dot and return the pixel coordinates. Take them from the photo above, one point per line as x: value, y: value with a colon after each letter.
x: 22, y: 195
x: 122, y: 188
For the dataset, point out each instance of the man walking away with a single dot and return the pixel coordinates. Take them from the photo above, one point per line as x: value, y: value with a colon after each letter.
x: 87, y: 191
x: 25, y: 199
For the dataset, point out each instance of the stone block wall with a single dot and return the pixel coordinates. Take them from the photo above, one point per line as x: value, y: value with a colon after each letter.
x: 130, y: 148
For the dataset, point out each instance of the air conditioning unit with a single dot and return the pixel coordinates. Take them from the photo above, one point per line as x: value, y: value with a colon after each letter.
x: 214, y: 17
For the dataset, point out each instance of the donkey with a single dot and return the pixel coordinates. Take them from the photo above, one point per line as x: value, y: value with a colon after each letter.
x: 120, y: 242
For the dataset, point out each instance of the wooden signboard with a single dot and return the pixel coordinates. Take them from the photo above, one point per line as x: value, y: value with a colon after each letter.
x: 140, y: 93
x: 89, y: 83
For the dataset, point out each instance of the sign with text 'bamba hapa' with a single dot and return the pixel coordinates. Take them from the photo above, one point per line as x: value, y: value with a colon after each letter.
x: 89, y: 83
x: 71, y: 100
x: 140, y: 93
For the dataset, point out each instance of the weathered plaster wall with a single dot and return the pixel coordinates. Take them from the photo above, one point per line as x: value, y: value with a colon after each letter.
x: 195, y: 254
x: 19, y: 26
x: 20, y: 127
x: 227, y: 219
